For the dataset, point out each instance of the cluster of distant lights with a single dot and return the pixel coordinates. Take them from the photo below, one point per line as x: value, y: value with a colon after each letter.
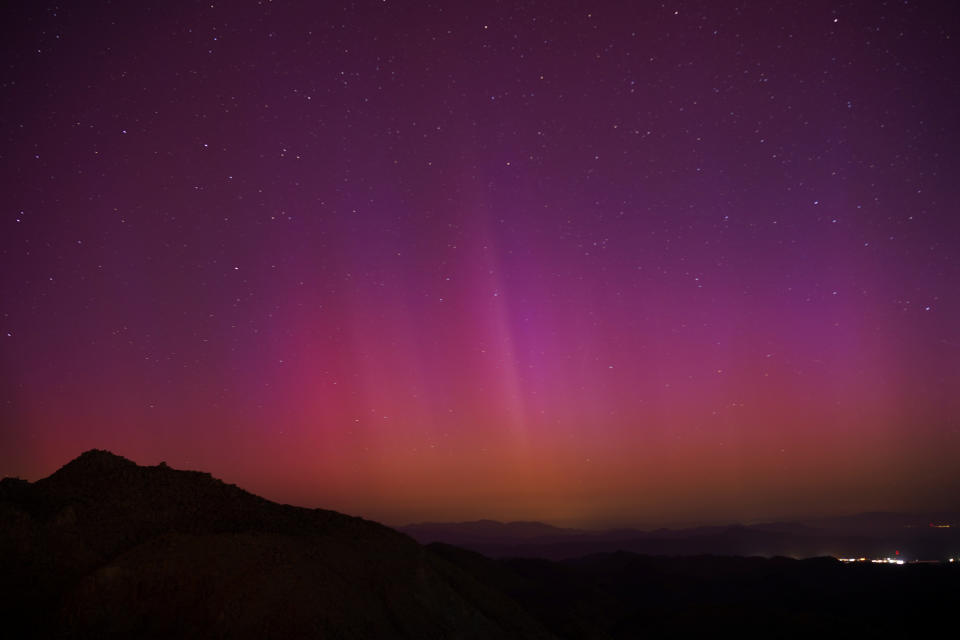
x: 889, y: 560
x: 895, y: 560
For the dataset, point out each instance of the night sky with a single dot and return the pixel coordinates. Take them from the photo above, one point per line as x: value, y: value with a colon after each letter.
x: 585, y: 263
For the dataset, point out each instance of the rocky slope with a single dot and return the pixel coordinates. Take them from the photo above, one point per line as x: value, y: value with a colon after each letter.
x: 105, y: 547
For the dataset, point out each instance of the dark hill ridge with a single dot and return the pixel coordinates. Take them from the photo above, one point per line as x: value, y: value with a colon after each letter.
x: 872, y: 534
x: 105, y: 547
x: 625, y: 596
x: 481, y: 531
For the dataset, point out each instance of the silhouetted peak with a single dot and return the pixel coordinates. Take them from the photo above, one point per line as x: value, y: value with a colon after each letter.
x: 101, y: 459
x: 95, y: 462
x: 104, y: 477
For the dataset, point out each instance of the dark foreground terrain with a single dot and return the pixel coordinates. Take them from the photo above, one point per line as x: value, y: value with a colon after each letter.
x: 107, y: 548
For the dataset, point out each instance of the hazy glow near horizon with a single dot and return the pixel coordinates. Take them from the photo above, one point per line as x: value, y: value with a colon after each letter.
x: 526, y: 263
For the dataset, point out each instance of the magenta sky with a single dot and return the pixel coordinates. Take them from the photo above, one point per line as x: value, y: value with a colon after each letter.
x: 563, y: 261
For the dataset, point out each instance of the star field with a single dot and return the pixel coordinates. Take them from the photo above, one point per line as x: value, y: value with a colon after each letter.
x: 583, y: 263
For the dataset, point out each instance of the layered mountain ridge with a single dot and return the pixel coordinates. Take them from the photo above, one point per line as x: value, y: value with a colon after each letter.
x: 105, y: 548
x: 913, y: 536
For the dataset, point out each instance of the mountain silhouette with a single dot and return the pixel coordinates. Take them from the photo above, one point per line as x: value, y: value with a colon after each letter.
x: 626, y: 596
x: 870, y: 534
x: 105, y: 547
x: 486, y: 531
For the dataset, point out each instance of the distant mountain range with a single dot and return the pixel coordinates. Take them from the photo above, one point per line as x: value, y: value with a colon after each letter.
x: 914, y: 536
x: 105, y: 548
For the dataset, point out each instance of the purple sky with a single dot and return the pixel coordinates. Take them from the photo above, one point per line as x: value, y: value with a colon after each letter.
x: 583, y: 263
